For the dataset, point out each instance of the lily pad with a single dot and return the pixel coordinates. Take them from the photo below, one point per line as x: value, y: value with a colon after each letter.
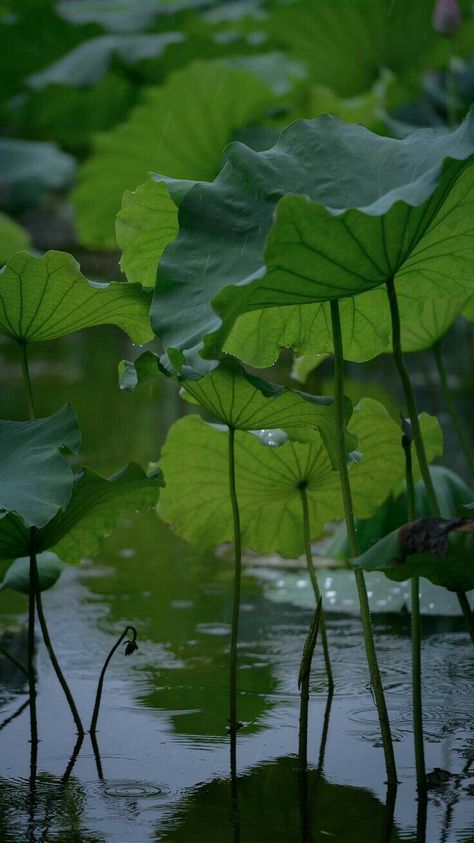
x: 35, y: 478
x: 331, y: 211
x: 439, y: 549
x: 17, y: 577
x: 48, y: 297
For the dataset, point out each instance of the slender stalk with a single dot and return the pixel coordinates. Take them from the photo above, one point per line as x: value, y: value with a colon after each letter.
x: 98, y: 760
x: 131, y: 646
x: 56, y: 665
x: 466, y: 610
x: 354, y: 547
x: 314, y: 582
x: 303, y: 684
x: 233, y: 722
x: 14, y: 659
x: 415, y: 635
x: 31, y: 665
x: 410, y: 398
x: 27, y: 380
x: 15, y: 714
x: 451, y: 405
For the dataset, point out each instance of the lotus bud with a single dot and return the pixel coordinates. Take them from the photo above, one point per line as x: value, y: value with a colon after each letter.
x: 446, y: 17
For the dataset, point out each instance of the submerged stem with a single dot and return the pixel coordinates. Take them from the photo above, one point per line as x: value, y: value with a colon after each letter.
x: 353, y: 544
x: 451, y: 405
x: 410, y: 397
x: 31, y: 663
x: 131, y: 646
x: 55, y: 663
x: 27, y: 380
x: 417, y: 702
x: 233, y: 722
x: 314, y: 582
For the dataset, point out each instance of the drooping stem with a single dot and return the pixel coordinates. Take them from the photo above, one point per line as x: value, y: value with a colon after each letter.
x: 14, y: 659
x: 466, y: 610
x: 233, y: 721
x: 314, y: 581
x: 27, y: 380
x: 451, y: 406
x: 131, y: 646
x: 55, y: 663
x: 415, y: 633
x: 354, y: 548
x: 15, y: 714
x: 410, y: 397
x: 303, y: 685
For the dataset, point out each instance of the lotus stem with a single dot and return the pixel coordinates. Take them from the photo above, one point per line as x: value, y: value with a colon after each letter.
x: 410, y: 398
x: 55, y: 663
x: 451, y: 406
x: 417, y: 702
x: 303, y: 684
x: 314, y: 581
x: 27, y: 380
x: 233, y: 721
x: 354, y: 547
x: 466, y: 610
x: 131, y: 647
x: 14, y: 659
x: 31, y: 662
x: 15, y: 714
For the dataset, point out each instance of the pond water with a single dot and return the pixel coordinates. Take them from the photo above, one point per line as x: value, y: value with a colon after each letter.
x: 161, y: 767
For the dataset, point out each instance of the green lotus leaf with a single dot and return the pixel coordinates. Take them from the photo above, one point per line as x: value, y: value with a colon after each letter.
x: 17, y: 577
x: 269, y: 478
x: 331, y: 211
x: 245, y: 402
x: 147, y: 222
x: 87, y: 63
x: 29, y: 169
x: 205, y: 102
x: 13, y: 238
x: 468, y: 310
x: 113, y: 15
x: 35, y: 479
x: 48, y: 297
x: 97, y: 506
x: 422, y: 330
x: 452, y: 493
x: 436, y: 548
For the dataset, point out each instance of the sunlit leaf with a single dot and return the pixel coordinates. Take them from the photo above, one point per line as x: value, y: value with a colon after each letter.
x: 147, y: 222
x: 35, y: 479
x: 436, y: 548
x: 180, y: 129
x: 331, y: 211
x: 13, y: 238
x: 98, y: 505
x: 17, y: 576
x: 269, y: 478
x: 48, y: 297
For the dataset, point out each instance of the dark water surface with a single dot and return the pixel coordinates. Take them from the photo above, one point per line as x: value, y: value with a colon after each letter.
x: 161, y: 769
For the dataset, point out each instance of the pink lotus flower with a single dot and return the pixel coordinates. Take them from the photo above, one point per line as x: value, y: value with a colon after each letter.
x: 446, y: 17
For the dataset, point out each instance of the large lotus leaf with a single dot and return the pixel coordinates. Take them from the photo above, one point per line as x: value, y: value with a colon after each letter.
x: 424, y: 329
x: 468, y: 309
x: 452, y: 494
x: 50, y: 567
x: 436, y: 548
x: 13, y: 238
x: 28, y: 169
x: 35, y: 479
x: 97, y: 506
x: 147, y: 222
x: 330, y: 211
x: 240, y: 400
x: 48, y: 297
x: 113, y: 15
x: 269, y: 477
x: 180, y: 129
x: 89, y: 62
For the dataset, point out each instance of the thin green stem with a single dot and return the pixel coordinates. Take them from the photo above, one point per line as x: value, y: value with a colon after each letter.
x: 55, y: 663
x: 303, y: 684
x: 417, y: 702
x: 354, y: 547
x: 31, y: 659
x: 466, y: 610
x: 410, y: 398
x: 27, y: 380
x: 451, y: 406
x: 314, y: 582
x: 14, y: 659
x: 131, y: 646
x: 233, y: 721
